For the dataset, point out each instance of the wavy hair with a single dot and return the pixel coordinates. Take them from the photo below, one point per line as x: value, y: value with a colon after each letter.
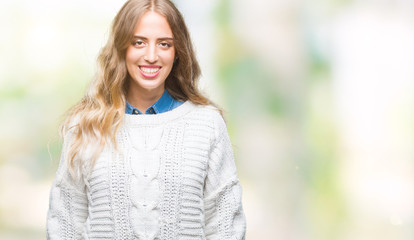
x: 94, y: 121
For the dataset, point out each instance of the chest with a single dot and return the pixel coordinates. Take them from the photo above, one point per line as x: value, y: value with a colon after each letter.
x: 163, y: 163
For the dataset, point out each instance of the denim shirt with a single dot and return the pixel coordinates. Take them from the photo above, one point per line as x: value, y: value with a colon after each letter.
x: 164, y: 104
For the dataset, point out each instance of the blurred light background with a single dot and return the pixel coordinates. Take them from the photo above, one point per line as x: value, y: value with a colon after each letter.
x: 318, y: 98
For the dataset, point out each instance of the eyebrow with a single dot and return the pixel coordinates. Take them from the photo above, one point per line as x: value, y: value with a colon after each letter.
x: 162, y: 39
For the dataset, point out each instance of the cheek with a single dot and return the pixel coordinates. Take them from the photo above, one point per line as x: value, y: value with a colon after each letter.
x: 130, y: 55
x: 168, y: 57
x: 130, y: 61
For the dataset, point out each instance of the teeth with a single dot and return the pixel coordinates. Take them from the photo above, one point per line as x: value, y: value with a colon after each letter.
x: 149, y: 70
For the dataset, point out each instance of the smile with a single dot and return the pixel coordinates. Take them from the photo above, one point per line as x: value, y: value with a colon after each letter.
x: 150, y: 71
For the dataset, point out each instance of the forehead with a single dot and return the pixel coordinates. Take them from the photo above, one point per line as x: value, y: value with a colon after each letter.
x: 153, y: 24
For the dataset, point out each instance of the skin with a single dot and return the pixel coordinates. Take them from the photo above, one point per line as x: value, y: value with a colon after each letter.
x: 149, y: 60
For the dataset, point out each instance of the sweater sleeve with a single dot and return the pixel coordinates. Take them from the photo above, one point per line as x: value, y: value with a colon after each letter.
x: 68, y: 204
x: 224, y: 217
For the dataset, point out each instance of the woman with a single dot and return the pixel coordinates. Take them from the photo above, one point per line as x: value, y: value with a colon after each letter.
x: 145, y: 155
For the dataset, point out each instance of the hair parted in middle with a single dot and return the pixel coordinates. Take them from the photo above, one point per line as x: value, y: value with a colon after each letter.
x: 95, y: 120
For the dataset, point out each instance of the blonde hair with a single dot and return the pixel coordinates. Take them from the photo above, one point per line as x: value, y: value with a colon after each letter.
x: 95, y: 120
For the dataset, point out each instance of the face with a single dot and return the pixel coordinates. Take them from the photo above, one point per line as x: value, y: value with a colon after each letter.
x: 150, y: 56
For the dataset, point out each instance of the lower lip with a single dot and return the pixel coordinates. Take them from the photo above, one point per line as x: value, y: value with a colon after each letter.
x: 149, y: 75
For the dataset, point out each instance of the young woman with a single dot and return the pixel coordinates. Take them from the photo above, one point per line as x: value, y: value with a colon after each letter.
x: 145, y: 155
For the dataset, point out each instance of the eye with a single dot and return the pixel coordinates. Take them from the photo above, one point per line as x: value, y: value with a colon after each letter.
x: 138, y: 43
x: 165, y: 44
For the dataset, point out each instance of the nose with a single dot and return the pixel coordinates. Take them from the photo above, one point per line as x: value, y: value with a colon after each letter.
x: 151, y: 55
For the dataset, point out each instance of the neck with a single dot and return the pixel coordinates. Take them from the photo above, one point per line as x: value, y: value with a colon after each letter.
x: 143, y: 98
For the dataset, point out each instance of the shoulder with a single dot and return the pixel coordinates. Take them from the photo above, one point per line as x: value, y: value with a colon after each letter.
x: 70, y: 126
x: 207, y: 113
x: 209, y: 116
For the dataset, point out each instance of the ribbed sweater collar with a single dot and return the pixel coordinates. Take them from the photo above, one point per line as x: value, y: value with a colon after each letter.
x: 155, y: 119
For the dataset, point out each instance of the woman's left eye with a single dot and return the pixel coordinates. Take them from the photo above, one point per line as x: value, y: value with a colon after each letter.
x: 165, y: 44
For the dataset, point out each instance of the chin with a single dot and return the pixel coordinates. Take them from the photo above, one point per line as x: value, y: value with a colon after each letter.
x: 150, y: 84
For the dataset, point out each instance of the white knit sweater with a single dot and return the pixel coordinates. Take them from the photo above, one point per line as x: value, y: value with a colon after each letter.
x: 172, y: 177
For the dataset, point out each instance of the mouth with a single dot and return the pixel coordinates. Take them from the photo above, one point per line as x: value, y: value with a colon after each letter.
x: 149, y: 71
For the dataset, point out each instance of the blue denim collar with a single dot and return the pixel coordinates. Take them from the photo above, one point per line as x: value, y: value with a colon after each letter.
x: 164, y: 104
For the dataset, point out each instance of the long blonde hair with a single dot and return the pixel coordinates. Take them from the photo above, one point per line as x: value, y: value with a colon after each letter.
x: 95, y: 120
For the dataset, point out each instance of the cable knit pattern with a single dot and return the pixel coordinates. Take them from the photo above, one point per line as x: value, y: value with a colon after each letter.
x: 120, y: 192
x: 172, y: 176
x: 100, y: 223
x: 68, y: 204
